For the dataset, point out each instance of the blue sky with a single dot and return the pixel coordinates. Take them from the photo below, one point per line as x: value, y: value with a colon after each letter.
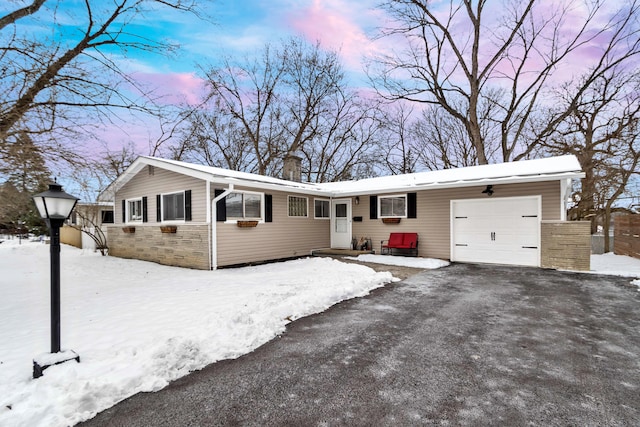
x: 235, y: 27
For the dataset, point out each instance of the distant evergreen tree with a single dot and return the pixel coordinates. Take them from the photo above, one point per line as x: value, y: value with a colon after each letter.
x: 24, y: 173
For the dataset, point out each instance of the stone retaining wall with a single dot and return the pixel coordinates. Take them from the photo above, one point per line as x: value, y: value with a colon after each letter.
x: 566, y: 245
x: 187, y: 247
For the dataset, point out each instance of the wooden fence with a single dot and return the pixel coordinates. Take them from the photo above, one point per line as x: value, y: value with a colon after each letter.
x: 627, y: 236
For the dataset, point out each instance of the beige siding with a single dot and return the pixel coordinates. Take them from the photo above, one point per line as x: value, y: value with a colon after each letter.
x: 154, y: 181
x: 433, y: 211
x: 283, y: 238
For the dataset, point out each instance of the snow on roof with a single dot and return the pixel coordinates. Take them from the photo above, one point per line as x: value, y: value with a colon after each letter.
x: 525, y: 170
x: 241, y: 177
x: 551, y: 168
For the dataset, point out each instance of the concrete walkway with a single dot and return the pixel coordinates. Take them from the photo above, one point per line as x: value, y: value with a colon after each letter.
x: 464, y: 345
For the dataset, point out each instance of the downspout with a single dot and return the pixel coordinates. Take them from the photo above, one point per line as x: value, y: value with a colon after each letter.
x: 208, y: 219
x: 214, y: 221
x: 565, y: 193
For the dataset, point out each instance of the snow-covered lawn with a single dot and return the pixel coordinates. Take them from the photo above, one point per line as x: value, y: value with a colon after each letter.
x: 616, y: 265
x: 139, y: 325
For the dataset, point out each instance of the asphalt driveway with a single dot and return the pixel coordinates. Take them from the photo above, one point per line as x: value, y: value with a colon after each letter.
x: 463, y: 345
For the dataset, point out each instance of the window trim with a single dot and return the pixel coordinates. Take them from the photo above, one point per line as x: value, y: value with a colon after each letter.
x: 393, y: 196
x: 184, y: 210
x: 128, y: 210
x: 306, y: 199
x: 234, y: 220
x: 328, y: 201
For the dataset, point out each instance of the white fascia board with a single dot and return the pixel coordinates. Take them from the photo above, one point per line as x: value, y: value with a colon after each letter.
x: 462, y: 183
x: 177, y: 169
x: 268, y: 186
x: 226, y: 180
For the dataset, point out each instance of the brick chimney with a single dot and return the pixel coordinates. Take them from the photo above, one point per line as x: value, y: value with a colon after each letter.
x: 292, y: 167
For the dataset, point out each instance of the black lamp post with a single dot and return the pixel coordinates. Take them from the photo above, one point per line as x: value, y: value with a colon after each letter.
x: 54, y: 206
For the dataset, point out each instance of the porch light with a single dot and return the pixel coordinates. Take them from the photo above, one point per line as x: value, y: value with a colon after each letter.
x: 55, y: 206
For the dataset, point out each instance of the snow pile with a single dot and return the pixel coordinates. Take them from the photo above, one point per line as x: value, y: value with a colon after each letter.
x: 426, y: 263
x: 617, y: 265
x: 137, y: 325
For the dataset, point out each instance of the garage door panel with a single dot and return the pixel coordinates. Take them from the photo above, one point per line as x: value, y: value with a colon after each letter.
x: 501, y: 230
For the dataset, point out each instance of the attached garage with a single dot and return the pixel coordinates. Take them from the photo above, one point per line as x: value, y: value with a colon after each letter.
x: 496, y: 230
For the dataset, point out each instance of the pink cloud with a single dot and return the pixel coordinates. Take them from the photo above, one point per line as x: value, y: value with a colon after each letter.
x: 173, y: 88
x: 335, y: 25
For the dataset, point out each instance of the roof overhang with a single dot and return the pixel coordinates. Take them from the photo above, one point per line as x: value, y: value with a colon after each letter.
x: 210, y: 174
x: 463, y: 183
x: 540, y: 170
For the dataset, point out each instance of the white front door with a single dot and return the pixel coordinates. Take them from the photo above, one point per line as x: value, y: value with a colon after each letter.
x: 497, y: 231
x: 341, y: 224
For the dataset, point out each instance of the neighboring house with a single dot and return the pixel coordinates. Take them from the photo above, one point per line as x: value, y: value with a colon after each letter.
x: 86, y: 228
x: 189, y: 215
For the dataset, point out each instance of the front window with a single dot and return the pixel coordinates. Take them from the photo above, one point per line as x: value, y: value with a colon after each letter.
x: 297, y: 206
x: 393, y: 206
x: 173, y: 207
x: 134, y: 210
x: 322, y: 209
x: 244, y: 206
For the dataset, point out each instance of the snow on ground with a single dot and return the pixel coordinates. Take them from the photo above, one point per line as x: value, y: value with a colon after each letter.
x: 138, y: 325
x: 426, y: 263
x: 617, y: 265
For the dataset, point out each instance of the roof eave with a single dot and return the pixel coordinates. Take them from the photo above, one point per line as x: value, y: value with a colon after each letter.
x: 464, y: 183
x: 143, y: 161
x: 270, y: 186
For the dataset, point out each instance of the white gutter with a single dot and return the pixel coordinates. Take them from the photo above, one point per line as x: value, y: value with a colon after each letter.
x: 312, y: 190
x: 208, y: 197
x: 214, y: 219
x: 458, y: 184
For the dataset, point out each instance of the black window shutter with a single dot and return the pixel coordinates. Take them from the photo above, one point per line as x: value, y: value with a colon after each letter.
x: 373, y: 207
x: 124, y: 211
x: 268, y: 208
x: 158, y: 210
x: 221, y: 207
x: 187, y: 205
x: 412, y: 208
x: 144, y: 210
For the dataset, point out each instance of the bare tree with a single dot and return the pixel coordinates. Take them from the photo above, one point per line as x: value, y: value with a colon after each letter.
x: 246, y: 93
x: 290, y: 99
x: 214, y: 139
x: 398, y: 146
x: 89, y: 222
x: 51, y: 82
x: 471, y: 54
x: 603, y: 132
x: 345, y: 138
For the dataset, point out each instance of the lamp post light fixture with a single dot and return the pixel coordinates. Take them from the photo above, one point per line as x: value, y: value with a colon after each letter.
x: 54, y: 206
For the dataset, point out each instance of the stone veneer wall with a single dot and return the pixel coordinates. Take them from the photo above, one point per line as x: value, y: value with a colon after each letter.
x: 187, y: 247
x: 566, y: 245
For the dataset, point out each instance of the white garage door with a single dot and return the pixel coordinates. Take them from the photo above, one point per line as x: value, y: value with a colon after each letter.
x: 497, y: 231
